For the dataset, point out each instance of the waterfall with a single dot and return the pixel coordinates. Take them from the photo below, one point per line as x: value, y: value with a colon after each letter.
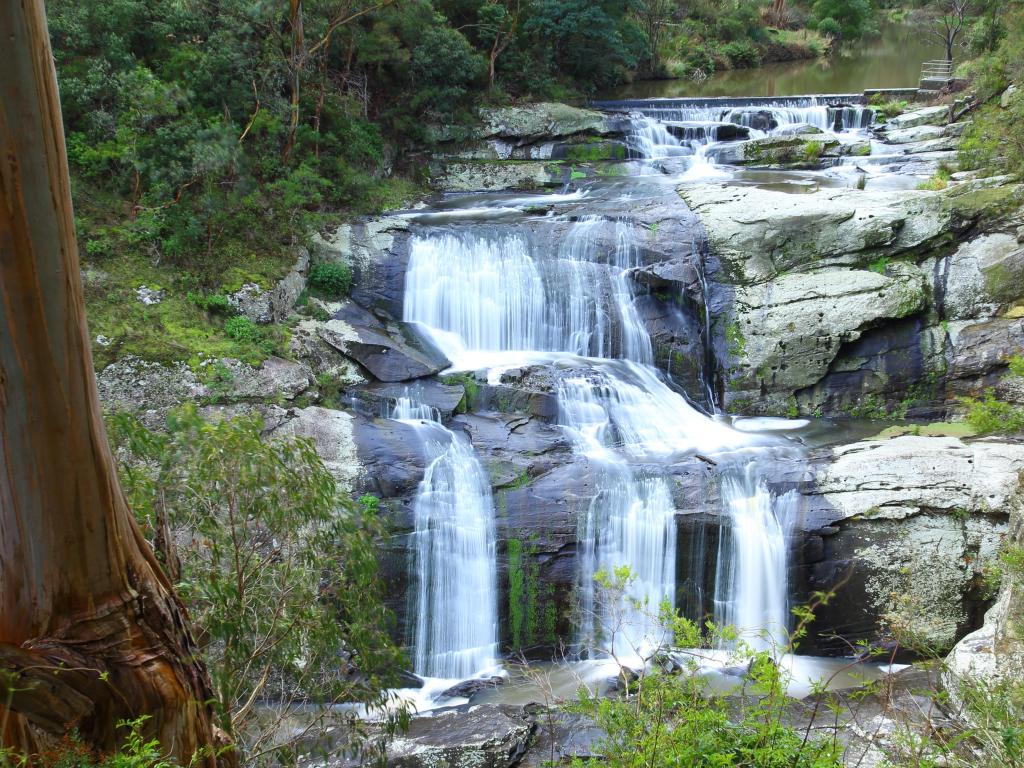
x: 630, y: 522
x: 699, y: 119
x: 751, y: 589
x: 477, y: 294
x: 456, y: 629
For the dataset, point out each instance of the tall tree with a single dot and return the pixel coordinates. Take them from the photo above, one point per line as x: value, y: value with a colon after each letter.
x: 91, y: 631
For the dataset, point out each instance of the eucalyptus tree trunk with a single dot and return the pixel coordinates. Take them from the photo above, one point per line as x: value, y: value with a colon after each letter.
x: 91, y: 631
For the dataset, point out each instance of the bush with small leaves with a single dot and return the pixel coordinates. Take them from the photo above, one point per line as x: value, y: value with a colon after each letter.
x: 331, y: 279
x: 243, y: 330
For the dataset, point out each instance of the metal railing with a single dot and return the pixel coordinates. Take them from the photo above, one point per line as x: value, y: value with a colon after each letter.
x: 940, y: 69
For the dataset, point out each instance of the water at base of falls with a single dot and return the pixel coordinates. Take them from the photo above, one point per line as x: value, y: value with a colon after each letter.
x: 456, y: 628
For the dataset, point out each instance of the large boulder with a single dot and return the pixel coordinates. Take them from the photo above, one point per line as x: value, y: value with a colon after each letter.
x: 783, y: 335
x: 333, y: 435
x: 759, y: 233
x: 983, y: 276
x: 498, y: 175
x: 925, y: 116
x: 273, y: 305
x: 915, y: 523
x: 483, y: 736
x: 994, y: 653
x: 531, y: 122
x: 391, y: 351
x: 150, y: 389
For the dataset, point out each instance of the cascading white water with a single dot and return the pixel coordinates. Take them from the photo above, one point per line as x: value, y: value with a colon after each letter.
x: 456, y: 629
x: 479, y: 294
x: 751, y: 588
x: 630, y: 522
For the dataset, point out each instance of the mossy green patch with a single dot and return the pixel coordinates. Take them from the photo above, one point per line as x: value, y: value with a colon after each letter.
x: 936, y: 429
x: 532, y: 613
x: 171, y: 330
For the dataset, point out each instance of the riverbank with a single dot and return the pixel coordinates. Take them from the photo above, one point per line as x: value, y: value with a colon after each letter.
x: 891, y: 60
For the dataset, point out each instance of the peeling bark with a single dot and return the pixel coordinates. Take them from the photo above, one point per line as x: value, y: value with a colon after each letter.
x: 89, y: 624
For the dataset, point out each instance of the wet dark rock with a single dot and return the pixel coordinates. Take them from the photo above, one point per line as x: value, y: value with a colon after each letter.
x: 482, y: 736
x: 762, y: 121
x: 980, y: 352
x: 560, y: 737
x: 429, y: 391
x: 468, y: 688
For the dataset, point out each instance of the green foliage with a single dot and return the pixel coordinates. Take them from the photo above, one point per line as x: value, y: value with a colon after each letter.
x: 331, y: 279
x: 741, y: 54
x: 847, y: 19
x: 887, y: 109
x: 277, y: 568
x: 879, y: 265
x: 990, y: 415
x: 241, y: 328
x: 670, y: 717
x: 734, y: 339
x: 217, y: 303
x: 70, y: 752
x: 939, y: 180
x: 1016, y: 365
x: 594, y: 42
x: 812, y: 151
x: 531, y: 601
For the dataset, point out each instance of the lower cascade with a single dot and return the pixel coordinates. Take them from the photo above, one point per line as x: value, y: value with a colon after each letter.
x: 456, y: 628
x: 751, y: 592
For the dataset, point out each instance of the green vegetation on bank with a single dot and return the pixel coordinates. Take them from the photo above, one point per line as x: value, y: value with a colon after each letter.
x: 278, y: 570
x: 995, y: 140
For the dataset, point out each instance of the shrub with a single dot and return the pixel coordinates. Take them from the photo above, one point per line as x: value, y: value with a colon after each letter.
x: 331, y: 279
x: 278, y: 569
x: 813, y: 150
x: 215, y: 303
x: 242, y: 329
x: 741, y: 54
x: 990, y: 415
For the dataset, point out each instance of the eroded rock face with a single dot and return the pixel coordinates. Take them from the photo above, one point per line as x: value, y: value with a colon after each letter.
x: 916, y: 521
x: 273, y: 305
x: 333, y: 434
x: 801, y: 323
x: 759, y: 234
x: 788, y: 331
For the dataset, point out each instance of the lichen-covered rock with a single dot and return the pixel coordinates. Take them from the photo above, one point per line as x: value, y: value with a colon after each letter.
x: 307, y: 346
x: 917, y: 521
x: 530, y: 122
x: 484, y: 736
x: 911, y: 135
x: 273, y: 305
x: 784, y: 150
x: 332, y: 433
x: 273, y: 378
x: 147, y: 388
x: 994, y: 653
x: 759, y: 233
x: 925, y: 116
x: 497, y: 175
x: 390, y: 351
x: 784, y: 335
x: 982, y: 276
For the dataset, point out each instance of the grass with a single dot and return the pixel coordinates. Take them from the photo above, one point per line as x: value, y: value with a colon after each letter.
x: 939, y: 180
